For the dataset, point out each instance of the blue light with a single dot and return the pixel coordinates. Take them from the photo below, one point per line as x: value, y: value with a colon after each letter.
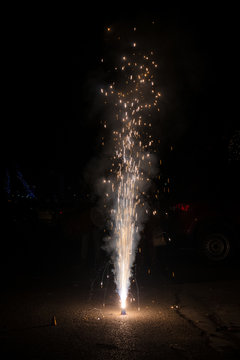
x: 27, y: 188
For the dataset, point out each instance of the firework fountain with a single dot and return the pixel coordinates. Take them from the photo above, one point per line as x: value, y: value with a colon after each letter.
x: 134, y: 98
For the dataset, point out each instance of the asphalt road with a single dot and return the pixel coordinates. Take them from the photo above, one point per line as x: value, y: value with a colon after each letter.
x: 183, y: 309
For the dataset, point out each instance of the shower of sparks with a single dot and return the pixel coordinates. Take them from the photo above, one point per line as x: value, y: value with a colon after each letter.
x: 134, y: 98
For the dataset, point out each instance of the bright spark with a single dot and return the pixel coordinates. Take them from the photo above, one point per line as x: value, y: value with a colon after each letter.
x: 134, y: 99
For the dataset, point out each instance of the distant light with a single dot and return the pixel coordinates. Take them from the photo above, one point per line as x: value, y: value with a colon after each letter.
x: 182, y: 207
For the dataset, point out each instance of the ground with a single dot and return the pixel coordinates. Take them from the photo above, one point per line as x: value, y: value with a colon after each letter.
x: 185, y: 309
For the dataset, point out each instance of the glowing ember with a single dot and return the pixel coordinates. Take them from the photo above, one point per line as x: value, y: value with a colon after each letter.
x: 134, y: 97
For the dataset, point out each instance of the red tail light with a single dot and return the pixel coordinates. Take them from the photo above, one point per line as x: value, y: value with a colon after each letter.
x: 182, y: 207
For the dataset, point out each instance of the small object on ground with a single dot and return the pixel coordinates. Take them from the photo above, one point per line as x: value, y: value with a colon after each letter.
x: 54, y: 321
x: 123, y: 312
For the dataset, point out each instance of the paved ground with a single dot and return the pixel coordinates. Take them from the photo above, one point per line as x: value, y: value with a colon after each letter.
x: 185, y: 310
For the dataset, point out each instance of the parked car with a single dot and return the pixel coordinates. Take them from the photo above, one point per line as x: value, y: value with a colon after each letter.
x: 210, y: 226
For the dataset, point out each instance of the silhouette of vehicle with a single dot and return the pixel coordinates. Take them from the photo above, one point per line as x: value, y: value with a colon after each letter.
x: 210, y: 226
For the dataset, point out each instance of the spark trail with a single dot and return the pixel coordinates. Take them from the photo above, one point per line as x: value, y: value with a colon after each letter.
x: 134, y: 98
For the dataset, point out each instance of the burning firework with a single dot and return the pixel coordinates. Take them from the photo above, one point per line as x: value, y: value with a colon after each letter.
x: 134, y: 98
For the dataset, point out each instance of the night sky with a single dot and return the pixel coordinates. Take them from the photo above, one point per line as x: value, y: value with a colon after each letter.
x: 53, y: 72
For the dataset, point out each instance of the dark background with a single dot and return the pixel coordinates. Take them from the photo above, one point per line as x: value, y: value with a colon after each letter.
x: 52, y: 266
x: 49, y: 122
x: 51, y: 118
